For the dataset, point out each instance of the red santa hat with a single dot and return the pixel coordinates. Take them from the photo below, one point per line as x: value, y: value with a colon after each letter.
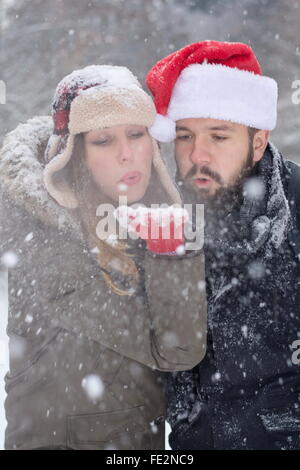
x: 211, y: 79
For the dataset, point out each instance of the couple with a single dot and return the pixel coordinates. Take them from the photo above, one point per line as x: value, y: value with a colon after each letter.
x: 96, y: 326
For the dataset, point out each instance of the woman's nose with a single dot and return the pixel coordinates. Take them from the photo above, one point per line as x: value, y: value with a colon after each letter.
x: 125, y: 151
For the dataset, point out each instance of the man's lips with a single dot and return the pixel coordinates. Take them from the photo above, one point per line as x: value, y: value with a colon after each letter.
x: 201, y: 181
x: 131, y: 178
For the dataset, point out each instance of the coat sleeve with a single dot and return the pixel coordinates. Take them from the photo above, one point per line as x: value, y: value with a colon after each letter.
x: 187, y: 413
x: 59, y: 285
x: 175, y: 287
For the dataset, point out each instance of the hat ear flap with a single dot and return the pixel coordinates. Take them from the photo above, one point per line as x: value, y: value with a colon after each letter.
x: 164, y: 176
x: 57, y: 187
x: 52, y: 147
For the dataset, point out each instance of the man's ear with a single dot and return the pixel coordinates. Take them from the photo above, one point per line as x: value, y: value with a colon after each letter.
x: 260, y: 142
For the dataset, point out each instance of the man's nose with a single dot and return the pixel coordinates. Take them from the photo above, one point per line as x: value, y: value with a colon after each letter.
x: 201, y: 153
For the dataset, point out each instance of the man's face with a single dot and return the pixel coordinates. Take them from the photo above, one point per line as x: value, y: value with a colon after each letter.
x: 213, y: 156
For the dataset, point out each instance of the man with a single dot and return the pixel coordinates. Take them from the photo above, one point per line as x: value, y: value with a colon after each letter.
x: 245, y: 394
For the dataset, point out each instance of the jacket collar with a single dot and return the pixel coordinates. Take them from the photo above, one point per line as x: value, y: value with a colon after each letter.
x: 21, y: 169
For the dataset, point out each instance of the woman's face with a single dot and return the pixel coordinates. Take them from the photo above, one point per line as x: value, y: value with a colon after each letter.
x: 119, y: 159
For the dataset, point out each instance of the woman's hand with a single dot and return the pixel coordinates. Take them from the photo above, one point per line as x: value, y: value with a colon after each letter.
x: 161, y: 228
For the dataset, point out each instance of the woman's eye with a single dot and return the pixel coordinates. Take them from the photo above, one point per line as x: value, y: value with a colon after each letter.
x: 101, y: 142
x: 136, y: 135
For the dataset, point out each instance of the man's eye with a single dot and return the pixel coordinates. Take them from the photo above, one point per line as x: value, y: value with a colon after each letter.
x: 219, y: 137
x: 183, y: 137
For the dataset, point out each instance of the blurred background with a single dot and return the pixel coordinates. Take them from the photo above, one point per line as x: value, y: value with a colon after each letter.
x: 43, y: 40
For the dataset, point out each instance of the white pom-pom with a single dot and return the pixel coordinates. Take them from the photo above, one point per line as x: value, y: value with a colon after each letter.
x: 163, y: 129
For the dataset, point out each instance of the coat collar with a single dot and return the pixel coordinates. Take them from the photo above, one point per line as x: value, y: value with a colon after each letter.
x: 21, y: 169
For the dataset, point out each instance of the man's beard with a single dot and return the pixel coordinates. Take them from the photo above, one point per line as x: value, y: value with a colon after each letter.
x: 226, y: 197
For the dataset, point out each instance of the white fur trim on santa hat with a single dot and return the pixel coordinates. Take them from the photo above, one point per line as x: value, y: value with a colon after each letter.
x: 221, y: 92
x: 163, y: 129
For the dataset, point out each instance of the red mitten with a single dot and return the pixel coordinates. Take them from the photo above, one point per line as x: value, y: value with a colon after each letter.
x: 161, y: 228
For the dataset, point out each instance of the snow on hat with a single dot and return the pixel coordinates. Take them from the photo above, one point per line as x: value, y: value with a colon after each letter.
x: 90, y: 98
x: 211, y: 79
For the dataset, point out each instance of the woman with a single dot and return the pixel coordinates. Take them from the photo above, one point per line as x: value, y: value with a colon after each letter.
x: 91, y: 316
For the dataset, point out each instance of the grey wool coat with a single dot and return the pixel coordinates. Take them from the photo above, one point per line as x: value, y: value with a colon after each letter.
x: 86, y: 365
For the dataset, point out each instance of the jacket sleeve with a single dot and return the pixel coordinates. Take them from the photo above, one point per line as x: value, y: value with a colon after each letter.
x: 175, y: 287
x: 181, y: 393
x: 187, y: 413
x: 59, y: 285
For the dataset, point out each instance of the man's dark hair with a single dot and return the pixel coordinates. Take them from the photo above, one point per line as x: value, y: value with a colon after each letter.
x: 251, y: 132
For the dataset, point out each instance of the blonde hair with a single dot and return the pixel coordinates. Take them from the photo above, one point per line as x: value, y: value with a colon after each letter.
x: 89, y: 197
